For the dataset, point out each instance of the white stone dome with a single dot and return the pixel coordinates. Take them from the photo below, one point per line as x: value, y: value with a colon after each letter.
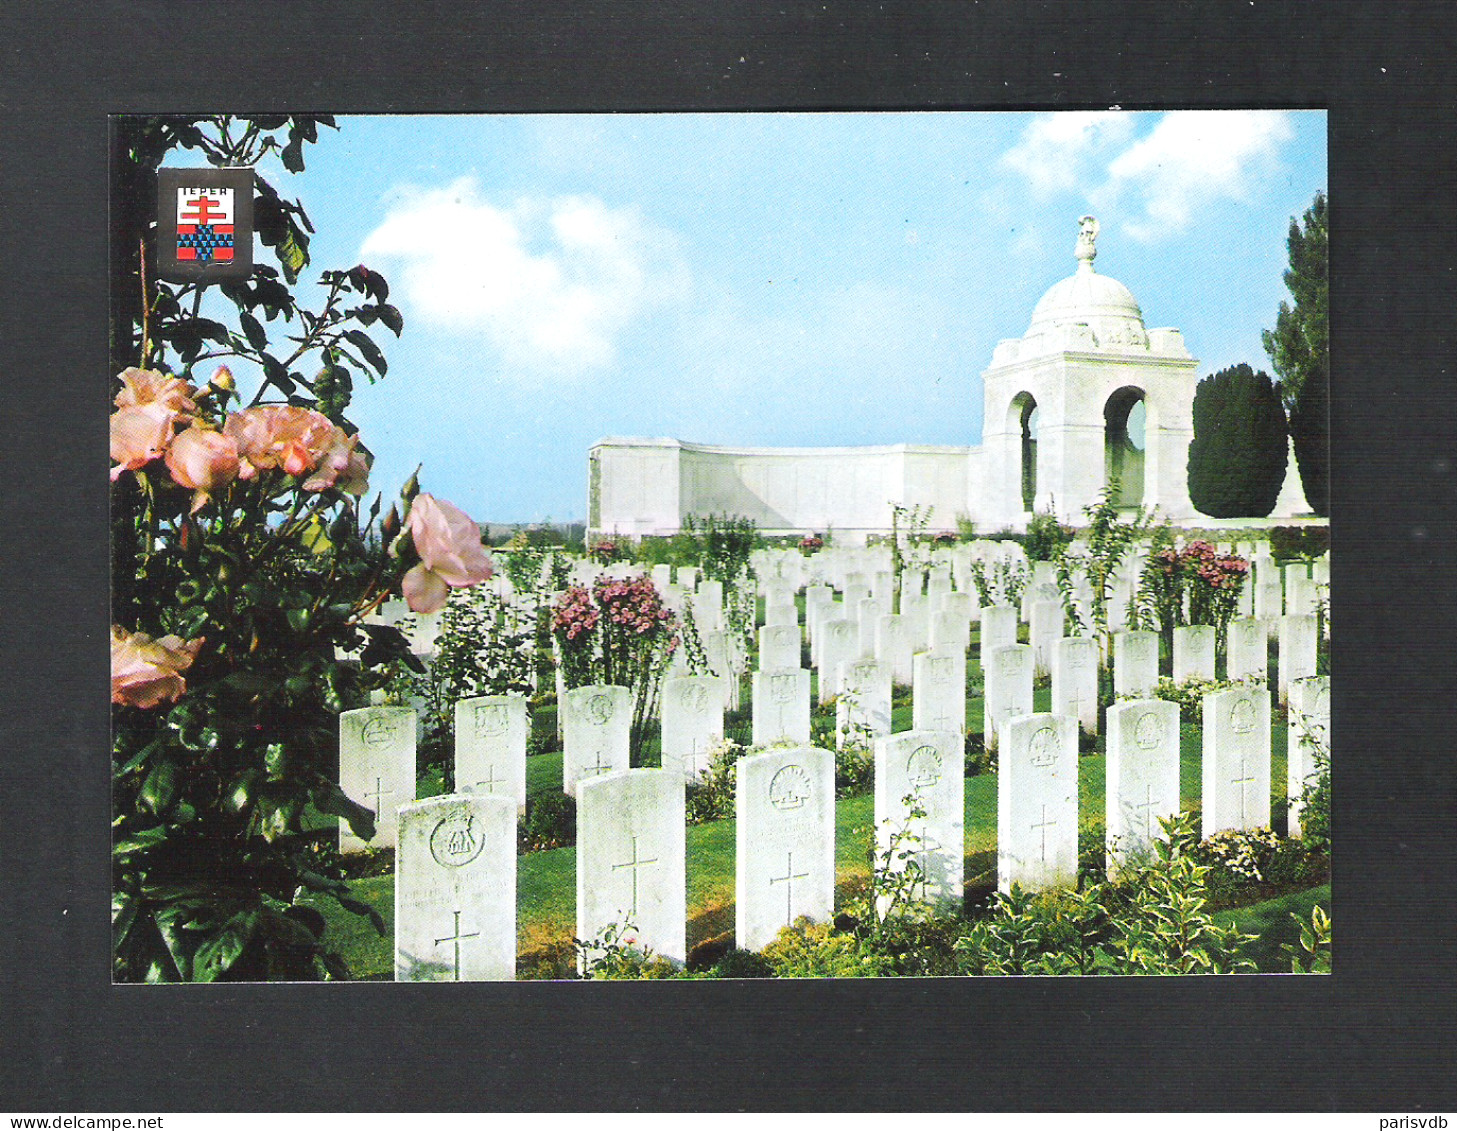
x: 1085, y: 297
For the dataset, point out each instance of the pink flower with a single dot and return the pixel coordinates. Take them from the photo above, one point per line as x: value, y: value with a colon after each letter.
x: 147, y: 386
x: 145, y: 672
x: 203, y: 461
x: 451, y: 554
x: 279, y: 435
x: 342, y: 465
x: 139, y: 434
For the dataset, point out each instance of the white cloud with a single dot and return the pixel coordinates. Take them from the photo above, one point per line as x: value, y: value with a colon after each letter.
x: 551, y: 284
x: 1189, y: 160
x: 1056, y: 150
x: 1194, y: 158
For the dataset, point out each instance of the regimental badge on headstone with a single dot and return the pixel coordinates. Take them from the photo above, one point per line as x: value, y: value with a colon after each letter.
x: 204, y: 224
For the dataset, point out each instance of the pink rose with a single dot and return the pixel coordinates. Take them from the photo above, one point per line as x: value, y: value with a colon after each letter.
x: 203, y: 461
x: 342, y: 465
x: 145, y: 672
x: 451, y: 554
x: 279, y: 435
x: 147, y: 386
x: 139, y: 434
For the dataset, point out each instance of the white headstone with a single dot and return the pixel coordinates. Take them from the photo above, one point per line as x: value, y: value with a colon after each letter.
x: 779, y: 646
x: 928, y: 768
x: 1008, y: 690
x: 597, y: 733
x: 1044, y: 630
x: 868, y: 613
x: 1193, y: 652
x: 781, y: 613
x: 781, y: 705
x: 455, y: 890
x: 376, y: 769
x: 1135, y: 664
x: 1142, y: 777
x: 1310, y: 728
x: 938, y: 691
x: 720, y: 651
x: 1247, y: 650
x: 1297, y: 650
x: 893, y: 647
x: 998, y: 629
x: 951, y: 628
x: 1037, y: 803
x: 1269, y: 602
x: 662, y: 577
x: 708, y: 607
x: 692, y: 722
x: 1236, y: 760
x: 630, y: 860
x: 1075, y: 680
x: 865, y: 699
x: 688, y: 577
x: 838, y: 644
x: 785, y: 842
x: 490, y: 746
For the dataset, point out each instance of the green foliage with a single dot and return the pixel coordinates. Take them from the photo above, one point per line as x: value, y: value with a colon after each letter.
x: 1046, y: 538
x: 1299, y: 350
x: 484, y: 647
x: 615, y: 955
x: 550, y: 822
x: 1288, y: 543
x: 1312, y: 953
x: 1189, y: 695
x: 1152, y: 920
x: 1238, y: 454
x: 711, y: 797
x: 818, y: 950
x: 1109, y: 541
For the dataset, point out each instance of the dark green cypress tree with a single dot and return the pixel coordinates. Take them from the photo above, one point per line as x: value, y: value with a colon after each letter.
x: 1299, y: 349
x: 1237, y: 456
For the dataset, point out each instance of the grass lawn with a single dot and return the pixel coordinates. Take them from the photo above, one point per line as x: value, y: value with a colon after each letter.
x: 546, y: 881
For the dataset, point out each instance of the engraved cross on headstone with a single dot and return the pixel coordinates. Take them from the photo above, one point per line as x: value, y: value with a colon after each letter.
x: 634, y: 864
x: 595, y: 768
x: 379, y: 794
x: 1243, y: 783
x: 491, y: 780
x: 1147, y: 810
x: 455, y: 938
x: 1043, y: 826
x: 790, y: 875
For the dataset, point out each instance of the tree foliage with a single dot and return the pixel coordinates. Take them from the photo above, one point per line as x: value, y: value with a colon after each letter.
x: 1299, y: 349
x: 1238, y: 455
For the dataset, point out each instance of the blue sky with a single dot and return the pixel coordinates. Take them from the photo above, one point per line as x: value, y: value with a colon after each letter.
x: 778, y: 279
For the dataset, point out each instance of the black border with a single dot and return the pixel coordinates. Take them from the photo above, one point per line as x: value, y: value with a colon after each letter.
x: 1379, y: 1034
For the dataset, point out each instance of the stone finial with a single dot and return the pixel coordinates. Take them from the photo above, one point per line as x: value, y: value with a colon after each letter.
x: 1087, y: 249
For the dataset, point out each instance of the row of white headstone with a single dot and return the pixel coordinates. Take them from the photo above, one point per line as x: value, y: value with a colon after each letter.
x: 456, y: 857
x: 491, y: 731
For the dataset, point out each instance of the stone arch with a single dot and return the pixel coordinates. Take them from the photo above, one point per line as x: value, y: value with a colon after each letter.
x: 1022, y: 423
x: 1127, y: 426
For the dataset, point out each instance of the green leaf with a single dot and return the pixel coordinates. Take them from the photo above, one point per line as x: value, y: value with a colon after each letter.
x: 293, y: 154
x: 291, y: 256
x: 392, y: 318
x: 139, y: 841
x: 216, y: 954
x: 253, y: 329
x: 359, y: 908
x: 372, y: 353
x: 329, y: 798
x: 160, y: 787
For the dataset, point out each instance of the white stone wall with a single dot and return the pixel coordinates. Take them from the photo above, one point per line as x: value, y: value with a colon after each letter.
x: 650, y: 486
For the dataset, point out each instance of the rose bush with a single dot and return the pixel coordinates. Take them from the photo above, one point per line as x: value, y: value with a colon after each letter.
x: 245, y: 566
